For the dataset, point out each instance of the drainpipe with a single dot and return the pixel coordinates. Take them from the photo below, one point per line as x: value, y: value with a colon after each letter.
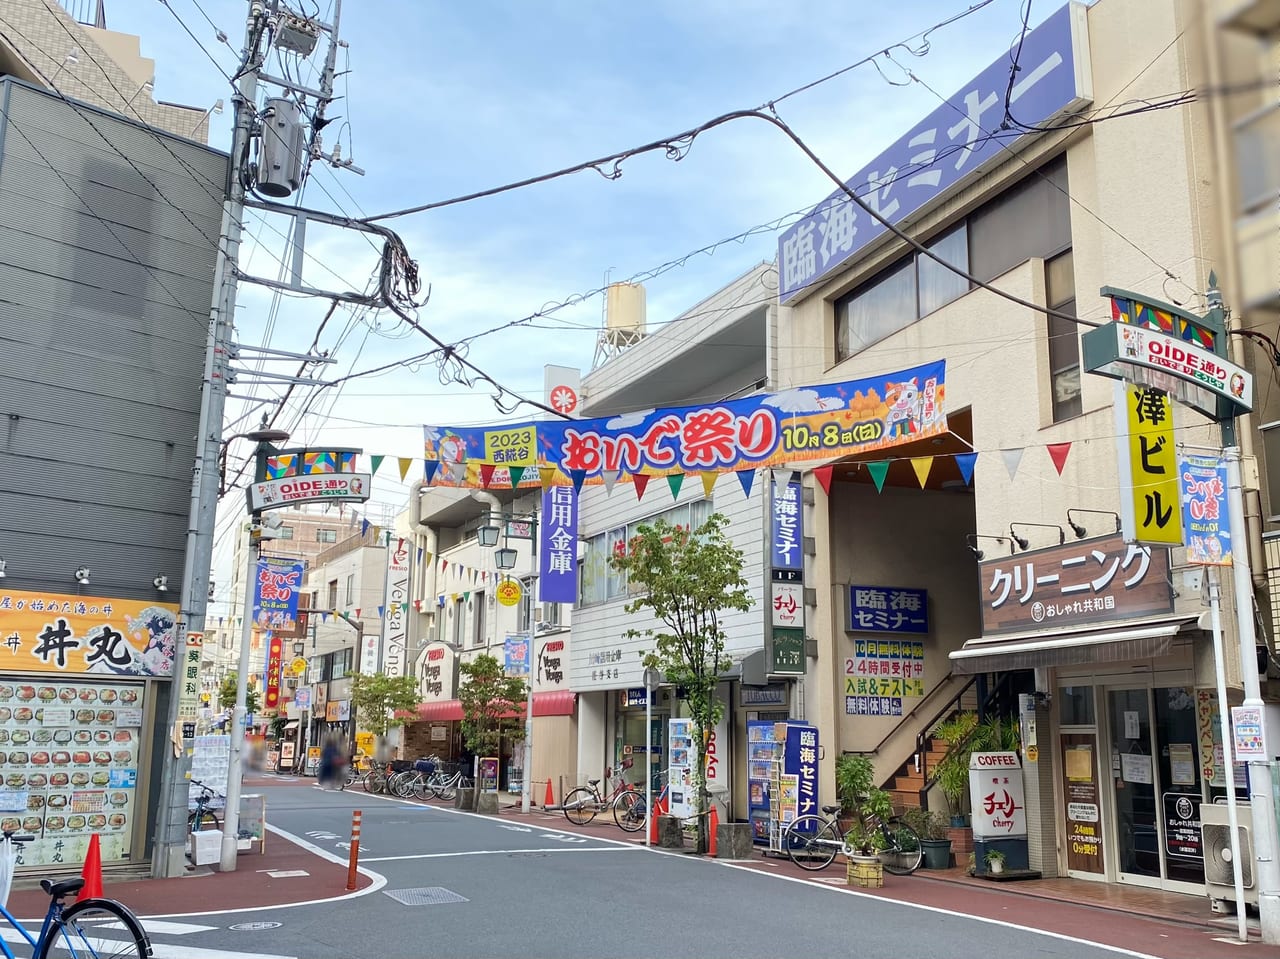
x: 484, y: 496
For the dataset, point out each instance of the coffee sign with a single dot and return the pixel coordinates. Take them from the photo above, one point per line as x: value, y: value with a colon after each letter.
x: 1090, y: 581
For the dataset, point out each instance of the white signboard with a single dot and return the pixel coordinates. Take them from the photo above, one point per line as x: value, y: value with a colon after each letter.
x: 395, y: 621
x: 314, y: 488
x: 1248, y: 733
x: 787, y: 607
x: 997, y: 796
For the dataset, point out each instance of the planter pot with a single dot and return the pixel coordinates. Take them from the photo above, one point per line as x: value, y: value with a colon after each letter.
x: 957, y: 822
x: 995, y: 868
x: 937, y: 853
x: 865, y: 871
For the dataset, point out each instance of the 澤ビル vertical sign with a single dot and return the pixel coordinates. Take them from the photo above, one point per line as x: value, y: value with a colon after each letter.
x: 1203, y: 481
x: 558, y: 560
x: 395, y: 613
x: 1151, y: 509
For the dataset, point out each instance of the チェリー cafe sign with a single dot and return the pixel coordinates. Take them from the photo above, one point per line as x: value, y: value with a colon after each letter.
x: 1074, y: 584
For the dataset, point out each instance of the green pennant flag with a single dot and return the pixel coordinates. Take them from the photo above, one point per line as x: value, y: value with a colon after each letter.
x: 674, y: 481
x: 467, y: 596
x: 374, y: 463
x: 878, y: 472
x: 517, y: 474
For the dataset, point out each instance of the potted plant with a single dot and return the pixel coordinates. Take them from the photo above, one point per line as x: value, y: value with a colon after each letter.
x: 953, y: 771
x: 855, y: 778
x: 864, y: 866
x: 995, y: 861
x: 934, y: 839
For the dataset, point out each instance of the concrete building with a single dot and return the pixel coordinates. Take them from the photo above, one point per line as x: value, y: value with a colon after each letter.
x: 1122, y: 690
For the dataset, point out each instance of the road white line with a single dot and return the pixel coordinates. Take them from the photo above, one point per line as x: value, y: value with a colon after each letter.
x: 159, y: 950
x: 493, y: 852
x: 1118, y: 950
x: 378, y: 882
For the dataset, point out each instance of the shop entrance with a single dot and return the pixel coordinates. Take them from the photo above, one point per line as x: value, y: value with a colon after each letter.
x: 634, y: 748
x: 1156, y: 787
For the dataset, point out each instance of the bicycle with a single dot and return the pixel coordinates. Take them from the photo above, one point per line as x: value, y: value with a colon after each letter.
x: 377, y: 778
x: 446, y: 785
x: 583, y: 804
x: 87, y: 928
x: 413, y: 782
x: 203, y: 816
x: 812, y: 842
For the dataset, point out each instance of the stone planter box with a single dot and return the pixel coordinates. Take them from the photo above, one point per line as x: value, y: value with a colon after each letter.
x: 866, y: 872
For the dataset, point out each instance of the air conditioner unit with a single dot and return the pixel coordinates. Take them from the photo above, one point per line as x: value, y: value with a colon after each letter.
x: 1219, y: 877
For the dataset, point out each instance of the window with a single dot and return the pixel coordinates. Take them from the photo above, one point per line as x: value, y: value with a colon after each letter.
x: 285, y: 532
x: 1031, y: 218
x: 333, y: 594
x: 1064, y: 338
x: 351, y: 588
x: 326, y: 536
x: 938, y: 286
x: 440, y: 618
x: 528, y: 589
x: 478, y: 631
x: 880, y: 309
x: 459, y: 613
x: 598, y: 582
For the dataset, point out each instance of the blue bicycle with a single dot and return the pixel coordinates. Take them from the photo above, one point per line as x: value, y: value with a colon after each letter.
x: 87, y: 929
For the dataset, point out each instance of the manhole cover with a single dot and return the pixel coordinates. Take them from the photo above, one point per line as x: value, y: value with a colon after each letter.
x: 255, y: 926
x: 424, y: 896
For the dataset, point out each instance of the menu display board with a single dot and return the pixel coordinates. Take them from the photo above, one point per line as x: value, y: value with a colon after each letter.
x: 74, y: 748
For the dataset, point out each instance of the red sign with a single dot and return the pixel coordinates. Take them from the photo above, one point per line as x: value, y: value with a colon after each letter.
x: 275, y: 655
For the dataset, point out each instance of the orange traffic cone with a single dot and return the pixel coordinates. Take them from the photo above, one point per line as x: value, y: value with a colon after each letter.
x: 712, y: 827
x: 550, y: 799
x: 92, y: 872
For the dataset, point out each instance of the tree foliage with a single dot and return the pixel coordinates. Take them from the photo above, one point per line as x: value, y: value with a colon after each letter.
x: 379, y: 698
x: 227, y: 694
x: 687, y: 579
x: 493, y: 704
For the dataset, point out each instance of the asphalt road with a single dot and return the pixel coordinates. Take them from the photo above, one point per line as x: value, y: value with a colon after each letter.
x: 484, y: 887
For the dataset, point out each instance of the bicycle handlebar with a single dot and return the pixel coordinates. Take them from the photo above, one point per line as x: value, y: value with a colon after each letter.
x: 10, y: 837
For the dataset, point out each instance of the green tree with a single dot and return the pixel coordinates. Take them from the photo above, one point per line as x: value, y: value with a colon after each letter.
x: 687, y: 580
x: 381, y: 700
x: 227, y: 694
x: 493, y: 704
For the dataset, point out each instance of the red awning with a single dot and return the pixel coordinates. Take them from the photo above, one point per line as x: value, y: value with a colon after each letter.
x: 560, y: 702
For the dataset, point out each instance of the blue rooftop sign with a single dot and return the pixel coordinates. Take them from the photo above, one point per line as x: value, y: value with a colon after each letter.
x: 952, y: 144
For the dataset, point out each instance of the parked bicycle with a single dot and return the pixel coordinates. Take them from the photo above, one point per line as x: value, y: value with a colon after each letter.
x: 203, y: 816
x: 87, y: 929
x: 583, y: 804
x: 444, y: 783
x: 414, y: 781
x: 812, y: 842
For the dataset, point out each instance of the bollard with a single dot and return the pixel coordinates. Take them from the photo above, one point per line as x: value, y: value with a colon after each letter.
x: 355, y: 849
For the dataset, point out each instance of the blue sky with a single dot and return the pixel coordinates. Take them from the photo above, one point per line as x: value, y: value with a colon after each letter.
x: 445, y: 99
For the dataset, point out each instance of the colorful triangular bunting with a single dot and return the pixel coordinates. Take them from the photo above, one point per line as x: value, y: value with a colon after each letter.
x: 965, y: 463
x: 823, y: 475
x: 546, y: 474
x: 1058, y: 453
x: 674, y: 482
x: 486, y: 474
x: 879, y: 470
x: 374, y: 463
x: 429, y: 468
x: 709, y: 483
x: 404, y: 462
x: 747, y: 478
x: 922, y: 465
x: 578, y: 477
x: 610, y: 478
x: 640, y: 480
x: 1011, y: 460
x: 517, y: 474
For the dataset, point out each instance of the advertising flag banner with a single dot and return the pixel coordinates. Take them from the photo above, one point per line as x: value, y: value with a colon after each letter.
x: 804, y: 424
x: 1203, y: 481
x: 558, y: 549
x: 517, y: 650
x: 275, y: 592
x: 275, y: 658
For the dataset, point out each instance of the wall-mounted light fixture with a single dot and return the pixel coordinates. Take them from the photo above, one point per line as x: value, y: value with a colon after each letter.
x: 505, y: 558
x: 1079, y: 530
x: 161, y: 583
x: 1022, y: 541
x: 2, y: 566
x: 979, y: 555
x: 82, y: 575
x: 487, y: 535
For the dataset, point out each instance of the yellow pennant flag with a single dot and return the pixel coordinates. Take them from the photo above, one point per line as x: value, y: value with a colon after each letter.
x: 922, y: 465
x: 546, y: 474
x: 709, y: 482
x: 404, y: 462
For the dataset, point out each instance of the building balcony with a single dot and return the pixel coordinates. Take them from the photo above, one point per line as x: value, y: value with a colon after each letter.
x: 1259, y: 259
x: 1257, y: 138
x: 1259, y: 17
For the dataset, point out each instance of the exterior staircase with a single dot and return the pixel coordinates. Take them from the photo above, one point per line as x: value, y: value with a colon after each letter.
x: 906, y: 785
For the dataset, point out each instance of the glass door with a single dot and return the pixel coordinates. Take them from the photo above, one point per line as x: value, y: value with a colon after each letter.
x: 1134, y: 788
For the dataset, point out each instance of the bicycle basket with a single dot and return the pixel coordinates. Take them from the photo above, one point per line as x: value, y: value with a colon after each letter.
x: 424, y: 766
x: 401, y: 765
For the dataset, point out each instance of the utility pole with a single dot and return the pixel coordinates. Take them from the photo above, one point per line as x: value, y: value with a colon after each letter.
x: 169, y: 851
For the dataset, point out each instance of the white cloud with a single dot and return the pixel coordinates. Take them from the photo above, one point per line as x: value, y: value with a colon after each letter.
x: 802, y: 401
x: 627, y: 420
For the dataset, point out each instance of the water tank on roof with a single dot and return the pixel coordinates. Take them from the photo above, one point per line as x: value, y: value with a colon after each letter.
x: 624, y: 313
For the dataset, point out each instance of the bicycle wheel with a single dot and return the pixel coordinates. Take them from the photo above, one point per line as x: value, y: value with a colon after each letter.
x: 205, y: 819
x: 902, y: 855
x: 446, y: 789
x: 812, y: 842
x: 402, y: 785
x: 580, y: 806
x: 375, y: 782
x: 422, y: 790
x: 629, y: 812
x: 100, y: 928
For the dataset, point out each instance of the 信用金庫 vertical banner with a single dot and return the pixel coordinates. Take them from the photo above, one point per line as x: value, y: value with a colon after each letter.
x: 1152, y: 506
x: 275, y: 658
x: 558, y: 546
x: 1203, y: 481
x: 275, y: 592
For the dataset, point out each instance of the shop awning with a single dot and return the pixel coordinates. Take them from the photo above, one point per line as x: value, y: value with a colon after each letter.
x: 1028, y: 650
x: 291, y: 726
x: 558, y: 702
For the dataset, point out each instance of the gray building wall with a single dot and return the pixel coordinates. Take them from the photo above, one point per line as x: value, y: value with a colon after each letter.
x: 107, y: 247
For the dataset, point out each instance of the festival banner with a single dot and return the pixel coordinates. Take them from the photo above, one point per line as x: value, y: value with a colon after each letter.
x: 66, y: 633
x: 804, y: 424
x: 1203, y: 480
x: 275, y: 592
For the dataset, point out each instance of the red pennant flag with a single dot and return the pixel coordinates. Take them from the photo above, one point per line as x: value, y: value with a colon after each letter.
x: 1058, y: 453
x: 357, y: 612
x: 486, y: 474
x: 823, y: 474
x: 641, y: 480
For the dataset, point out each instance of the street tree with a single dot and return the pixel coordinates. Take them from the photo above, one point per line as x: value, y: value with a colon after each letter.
x: 492, y: 704
x: 688, y: 579
x: 383, y: 702
x: 227, y: 694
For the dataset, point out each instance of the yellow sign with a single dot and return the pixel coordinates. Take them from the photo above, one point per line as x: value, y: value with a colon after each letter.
x: 364, y: 743
x: 69, y: 634
x: 298, y: 666
x: 508, y: 592
x: 1033, y: 754
x: 511, y: 447
x: 1153, y: 466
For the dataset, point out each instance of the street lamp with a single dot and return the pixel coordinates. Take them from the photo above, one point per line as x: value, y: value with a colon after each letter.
x: 216, y: 108
x: 148, y: 86
x: 505, y: 558
x: 264, y: 437
x: 487, y: 535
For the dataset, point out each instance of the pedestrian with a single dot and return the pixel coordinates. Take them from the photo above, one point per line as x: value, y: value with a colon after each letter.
x: 330, y: 758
